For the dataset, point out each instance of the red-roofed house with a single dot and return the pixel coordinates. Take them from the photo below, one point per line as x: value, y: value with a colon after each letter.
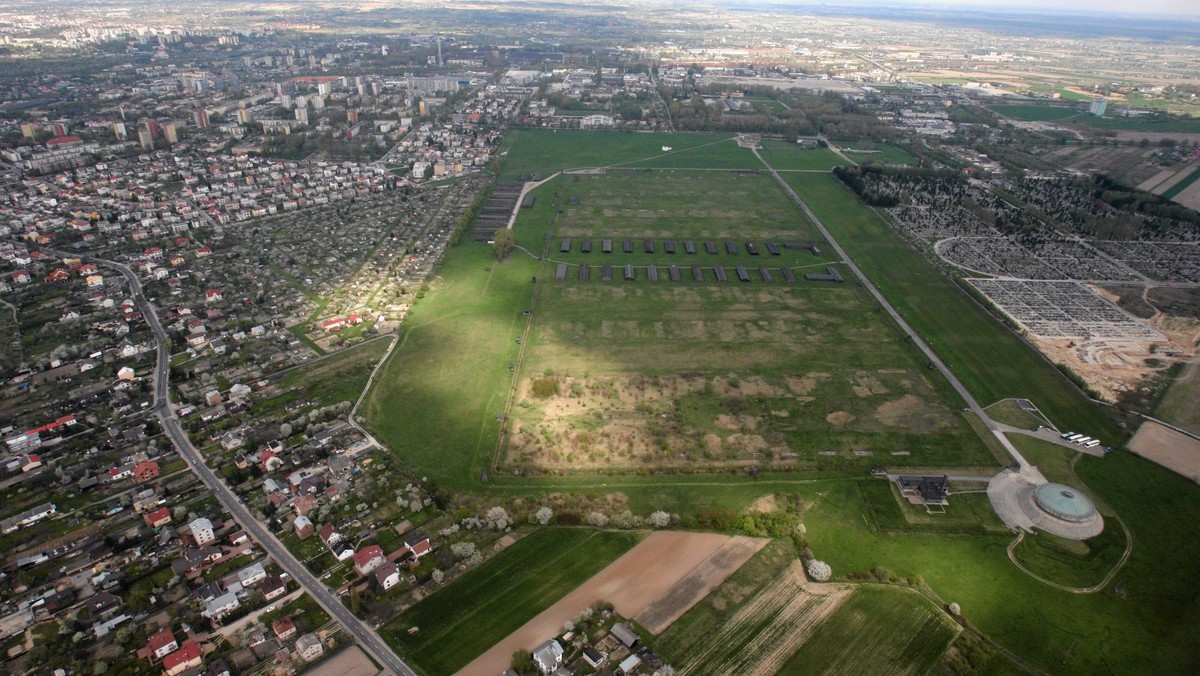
x: 183, y: 659
x: 145, y: 471
x: 58, y: 275
x: 157, y: 518
x: 204, y: 251
x: 212, y: 296
x: 330, y: 535
x: 368, y: 559
x: 284, y: 628
x: 152, y: 254
x: 162, y: 644
x: 20, y: 277
x: 334, y: 325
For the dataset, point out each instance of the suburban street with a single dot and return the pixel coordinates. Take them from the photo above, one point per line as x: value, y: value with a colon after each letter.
x: 365, y: 636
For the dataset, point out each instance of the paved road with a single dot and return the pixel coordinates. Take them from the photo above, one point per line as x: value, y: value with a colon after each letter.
x: 937, y: 362
x: 366, y: 637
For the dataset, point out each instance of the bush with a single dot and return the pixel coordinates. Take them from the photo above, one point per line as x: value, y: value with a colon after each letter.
x: 544, y: 388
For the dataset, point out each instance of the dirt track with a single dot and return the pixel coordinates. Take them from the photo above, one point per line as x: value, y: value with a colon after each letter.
x: 1174, y: 450
x: 631, y: 584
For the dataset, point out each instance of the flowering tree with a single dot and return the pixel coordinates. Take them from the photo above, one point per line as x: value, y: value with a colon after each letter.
x: 819, y: 571
x: 498, y: 518
x: 597, y: 519
x: 544, y: 515
x: 660, y: 519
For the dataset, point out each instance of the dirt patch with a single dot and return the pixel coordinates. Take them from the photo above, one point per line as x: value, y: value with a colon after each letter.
x: 697, y: 584
x: 349, y: 662
x: 804, y: 385
x: 910, y: 411
x: 631, y: 584
x: 728, y: 422
x: 840, y: 418
x: 764, y: 505
x: 1176, y: 451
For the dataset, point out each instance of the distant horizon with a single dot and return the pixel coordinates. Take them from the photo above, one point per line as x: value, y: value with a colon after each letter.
x: 1098, y: 8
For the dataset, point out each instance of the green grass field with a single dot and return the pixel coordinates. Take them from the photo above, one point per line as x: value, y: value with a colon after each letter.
x: 716, y: 153
x: 677, y: 205
x: 1010, y: 413
x: 877, y: 630
x: 784, y: 155
x: 548, y: 151
x: 776, y: 372
x: 1070, y: 562
x: 1033, y: 112
x: 991, y: 362
x: 883, y: 153
x: 435, y: 401
x: 1178, y: 405
x: 492, y: 601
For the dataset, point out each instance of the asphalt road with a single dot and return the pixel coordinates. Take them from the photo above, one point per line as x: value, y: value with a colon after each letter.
x: 365, y: 636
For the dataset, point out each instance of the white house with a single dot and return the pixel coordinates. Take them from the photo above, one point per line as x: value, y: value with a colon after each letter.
x: 548, y: 656
x: 202, y: 531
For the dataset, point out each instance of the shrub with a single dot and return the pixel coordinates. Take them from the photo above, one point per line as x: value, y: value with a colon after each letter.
x: 544, y: 388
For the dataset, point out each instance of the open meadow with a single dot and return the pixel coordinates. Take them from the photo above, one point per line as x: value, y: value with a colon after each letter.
x: 991, y: 362
x: 683, y: 373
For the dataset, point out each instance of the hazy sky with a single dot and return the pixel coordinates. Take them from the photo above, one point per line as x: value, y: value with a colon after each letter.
x: 1188, y: 8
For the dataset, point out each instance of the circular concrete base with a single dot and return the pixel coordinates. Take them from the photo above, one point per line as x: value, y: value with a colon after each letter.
x: 1014, y: 497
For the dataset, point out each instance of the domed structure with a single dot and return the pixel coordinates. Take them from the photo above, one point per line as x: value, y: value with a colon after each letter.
x: 1064, y: 502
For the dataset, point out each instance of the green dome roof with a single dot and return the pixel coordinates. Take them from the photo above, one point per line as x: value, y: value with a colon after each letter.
x: 1064, y: 502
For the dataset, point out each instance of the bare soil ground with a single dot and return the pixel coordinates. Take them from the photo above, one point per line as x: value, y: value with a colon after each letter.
x: 697, y: 584
x: 1176, y: 451
x: 631, y: 583
x: 1112, y: 367
x: 622, y: 420
x: 349, y: 662
x: 779, y: 619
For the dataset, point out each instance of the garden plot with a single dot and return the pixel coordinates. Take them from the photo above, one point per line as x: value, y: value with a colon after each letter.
x: 1064, y: 310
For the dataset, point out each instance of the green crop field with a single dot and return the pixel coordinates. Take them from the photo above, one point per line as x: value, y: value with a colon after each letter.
x: 991, y: 362
x: 492, y: 601
x: 877, y: 630
x: 1032, y: 112
x: 547, y: 151
x: 784, y: 155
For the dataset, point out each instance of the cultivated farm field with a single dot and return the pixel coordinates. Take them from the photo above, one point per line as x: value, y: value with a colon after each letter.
x: 491, y: 601
x: 877, y: 630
